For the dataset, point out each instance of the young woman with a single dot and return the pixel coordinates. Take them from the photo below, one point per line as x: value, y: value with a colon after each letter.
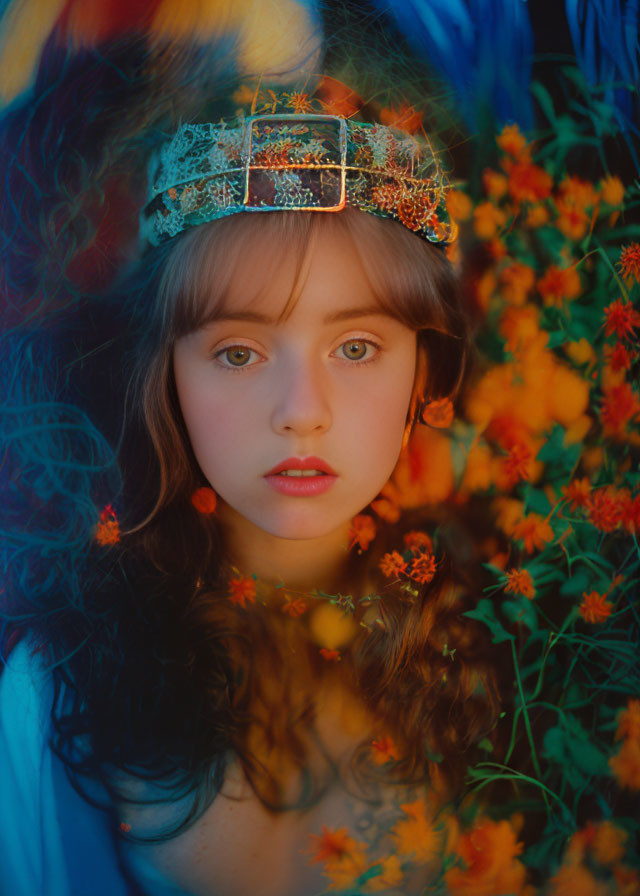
x: 251, y: 657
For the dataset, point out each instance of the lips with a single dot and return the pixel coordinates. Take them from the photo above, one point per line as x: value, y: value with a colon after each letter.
x: 301, y: 465
x: 301, y: 477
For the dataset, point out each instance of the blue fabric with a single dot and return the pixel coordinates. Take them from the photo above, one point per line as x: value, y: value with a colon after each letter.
x: 52, y: 842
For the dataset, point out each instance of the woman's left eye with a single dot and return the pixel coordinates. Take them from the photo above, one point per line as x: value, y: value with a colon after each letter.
x: 358, y: 350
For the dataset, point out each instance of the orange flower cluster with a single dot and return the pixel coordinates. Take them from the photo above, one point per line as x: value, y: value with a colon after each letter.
x: 418, y: 563
x: 610, y: 508
x: 625, y: 765
x: 107, y: 530
x: 515, y: 403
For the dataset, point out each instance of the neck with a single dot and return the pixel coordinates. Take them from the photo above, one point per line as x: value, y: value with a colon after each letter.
x: 303, y: 564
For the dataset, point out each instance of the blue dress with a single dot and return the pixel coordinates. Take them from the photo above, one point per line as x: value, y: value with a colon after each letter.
x: 52, y: 842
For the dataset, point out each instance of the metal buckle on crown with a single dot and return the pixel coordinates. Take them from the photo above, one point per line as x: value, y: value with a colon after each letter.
x: 295, y: 163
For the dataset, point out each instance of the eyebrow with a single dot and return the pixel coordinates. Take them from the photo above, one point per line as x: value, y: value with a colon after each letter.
x: 331, y: 318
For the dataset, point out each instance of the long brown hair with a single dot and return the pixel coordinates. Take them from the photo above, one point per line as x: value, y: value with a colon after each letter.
x: 403, y: 675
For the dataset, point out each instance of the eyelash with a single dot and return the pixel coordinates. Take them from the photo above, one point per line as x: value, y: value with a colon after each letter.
x: 217, y: 356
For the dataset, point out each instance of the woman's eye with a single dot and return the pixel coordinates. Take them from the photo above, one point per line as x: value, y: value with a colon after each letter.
x: 358, y: 350
x: 236, y: 356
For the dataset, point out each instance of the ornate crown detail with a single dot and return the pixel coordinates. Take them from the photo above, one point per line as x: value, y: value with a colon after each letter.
x: 294, y: 162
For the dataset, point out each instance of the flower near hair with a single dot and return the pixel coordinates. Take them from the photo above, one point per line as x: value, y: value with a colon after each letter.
x: 362, y: 531
x: 416, y: 834
x: 242, y: 591
x: 107, y: 531
x: 343, y: 858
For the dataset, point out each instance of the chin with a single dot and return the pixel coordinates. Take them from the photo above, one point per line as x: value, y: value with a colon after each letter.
x: 300, y: 526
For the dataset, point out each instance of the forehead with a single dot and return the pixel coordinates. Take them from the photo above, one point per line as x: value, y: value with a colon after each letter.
x: 327, y: 274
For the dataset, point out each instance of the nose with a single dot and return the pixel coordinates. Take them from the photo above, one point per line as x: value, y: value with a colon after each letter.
x: 301, y: 404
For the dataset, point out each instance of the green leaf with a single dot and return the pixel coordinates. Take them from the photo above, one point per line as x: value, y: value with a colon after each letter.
x: 576, y: 584
x: 521, y: 611
x: 485, y: 612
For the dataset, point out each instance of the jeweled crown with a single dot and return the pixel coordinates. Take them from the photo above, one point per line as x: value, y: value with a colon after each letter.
x: 294, y: 162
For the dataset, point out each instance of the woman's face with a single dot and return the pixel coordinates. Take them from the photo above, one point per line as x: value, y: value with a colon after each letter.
x: 298, y: 423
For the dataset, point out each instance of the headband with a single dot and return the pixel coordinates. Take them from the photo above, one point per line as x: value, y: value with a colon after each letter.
x: 294, y: 162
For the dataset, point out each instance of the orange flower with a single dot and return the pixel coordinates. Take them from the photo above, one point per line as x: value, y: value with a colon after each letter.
x: 362, y: 531
x: 294, y: 608
x: 107, y: 531
x: 519, y: 581
x: 405, y: 118
x: 534, y: 530
x: 559, y: 284
x: 489, y: 852
x: 204, y: 500
x: 336, y: 98
x: 517, y: 464
x: 331, y: 845
x: 580, y: 193
x: 495, y: 184
x: 416, y: 835
x: 459, y: 205
x: 477, y: 472
x: 528, y: 182
x: 537, y: 216
x: 438, y: 413
x: 595, y: 607
x: 383, y: 750
x: 618, y: 357
x: 608, y: 843
x: 577, y: 492
x: 572, y: 220
x: 612, y: 190
x: 331, y: 656
x: 619, y: 407
x: 631, y: 513
x: 517, y: 281
x: 417, y: 541
x: 423, y: 568
x: 621, y: 318
x: 242, y: 591
x: 573, y: 879
x: 604, y: 509
x: 626, y: 765
x: 392, y: 565
x: 630, y: 262
x: 629, y: 721
x: 511, y: 140
x: 487, y: 220
x: 343, y: 857
x: 386, y: 508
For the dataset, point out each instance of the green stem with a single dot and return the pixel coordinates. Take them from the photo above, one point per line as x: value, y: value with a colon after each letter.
x: 527, y: 721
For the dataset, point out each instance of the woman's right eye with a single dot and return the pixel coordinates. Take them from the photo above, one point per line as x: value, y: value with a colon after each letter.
x: 236, y: 356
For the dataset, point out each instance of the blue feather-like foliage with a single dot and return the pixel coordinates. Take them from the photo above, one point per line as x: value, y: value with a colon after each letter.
x: 606, y: 38
x: 483, y: 48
